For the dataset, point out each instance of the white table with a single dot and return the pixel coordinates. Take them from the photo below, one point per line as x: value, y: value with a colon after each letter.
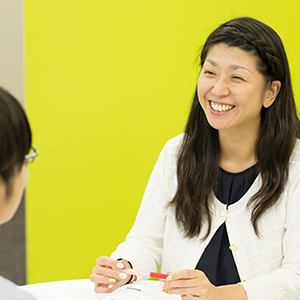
x: 82, y: 289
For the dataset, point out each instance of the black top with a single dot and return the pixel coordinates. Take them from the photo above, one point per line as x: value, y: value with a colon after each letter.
x: 217, y: 261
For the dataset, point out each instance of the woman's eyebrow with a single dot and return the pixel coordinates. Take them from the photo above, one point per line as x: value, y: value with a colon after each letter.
x: 212, y: 62
x: 236, y: 67
x: 233, y: 67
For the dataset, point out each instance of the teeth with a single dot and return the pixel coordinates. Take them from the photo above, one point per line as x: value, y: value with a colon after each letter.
x: 218, y: 107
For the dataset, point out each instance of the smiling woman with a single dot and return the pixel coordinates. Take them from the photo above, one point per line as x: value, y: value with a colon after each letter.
x: 221, y: 211
x: 232, y: 92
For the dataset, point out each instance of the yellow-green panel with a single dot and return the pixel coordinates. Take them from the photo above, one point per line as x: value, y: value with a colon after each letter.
x: 108, y: 82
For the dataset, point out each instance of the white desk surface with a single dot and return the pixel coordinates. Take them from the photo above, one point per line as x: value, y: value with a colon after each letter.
x: 82, y: 289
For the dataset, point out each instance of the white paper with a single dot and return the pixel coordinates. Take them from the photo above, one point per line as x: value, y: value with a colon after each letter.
x: 83, y: 289
x: 143, y: 290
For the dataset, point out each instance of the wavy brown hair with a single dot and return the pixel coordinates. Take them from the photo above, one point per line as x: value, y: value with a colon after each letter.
x: 198, y: 159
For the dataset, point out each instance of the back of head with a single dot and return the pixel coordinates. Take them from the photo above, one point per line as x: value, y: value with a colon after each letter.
x: 15, y: 134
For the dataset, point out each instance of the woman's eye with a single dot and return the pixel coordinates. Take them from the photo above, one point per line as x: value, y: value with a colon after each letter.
x: 209, y: 73
x: 238, y: 78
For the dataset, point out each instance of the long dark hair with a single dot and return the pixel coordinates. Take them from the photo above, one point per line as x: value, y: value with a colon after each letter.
x: 198, y: 159
x: 15, y: 135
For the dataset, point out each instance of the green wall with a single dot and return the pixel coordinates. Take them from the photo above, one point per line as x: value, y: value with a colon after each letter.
x: 108, y: 82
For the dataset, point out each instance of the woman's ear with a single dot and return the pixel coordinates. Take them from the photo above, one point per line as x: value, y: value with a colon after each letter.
x: 2, y: 201
x: 271, y: 93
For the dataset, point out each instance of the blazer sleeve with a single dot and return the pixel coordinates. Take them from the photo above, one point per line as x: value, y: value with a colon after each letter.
x: 283, y: 283
x: 144, y: 243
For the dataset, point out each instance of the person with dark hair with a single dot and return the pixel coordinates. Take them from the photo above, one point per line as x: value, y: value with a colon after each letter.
x: 221, y: 211
x: 16, y: 152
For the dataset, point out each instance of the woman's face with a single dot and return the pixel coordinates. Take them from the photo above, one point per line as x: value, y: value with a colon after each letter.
x: 231, y: 90
x: 10, y: 203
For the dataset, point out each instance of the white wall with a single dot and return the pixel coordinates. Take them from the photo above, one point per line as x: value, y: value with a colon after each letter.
x: 12, y: 234
x: 12, y: 47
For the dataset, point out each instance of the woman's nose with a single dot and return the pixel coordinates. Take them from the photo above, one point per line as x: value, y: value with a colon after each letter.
x: 220, y: 88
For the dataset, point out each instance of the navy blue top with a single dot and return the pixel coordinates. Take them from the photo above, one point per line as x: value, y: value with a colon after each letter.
x: 217, y: 261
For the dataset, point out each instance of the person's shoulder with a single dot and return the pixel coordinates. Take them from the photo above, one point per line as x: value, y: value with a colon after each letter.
x: 175, y: 142
x: 9, y: 290
x: 295, y: 158
x: 169, y: 152
x: 294, y: 168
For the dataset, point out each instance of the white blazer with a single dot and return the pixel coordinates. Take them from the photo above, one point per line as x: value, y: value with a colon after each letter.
x: 269, y: 265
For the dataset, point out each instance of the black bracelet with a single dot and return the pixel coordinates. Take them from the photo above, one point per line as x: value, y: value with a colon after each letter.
x: 131, y: 277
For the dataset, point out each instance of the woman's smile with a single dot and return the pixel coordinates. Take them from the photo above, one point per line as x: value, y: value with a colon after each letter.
x: 231, y: 90
x: 220, y: 107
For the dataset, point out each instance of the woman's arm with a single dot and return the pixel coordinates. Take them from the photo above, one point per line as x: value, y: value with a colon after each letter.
x: 194, y: 284
x: 144, y: 243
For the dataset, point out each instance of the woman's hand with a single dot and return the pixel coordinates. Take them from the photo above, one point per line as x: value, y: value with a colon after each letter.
x: 194, y: 284
x: 190, y: 284
x: 105, y: 277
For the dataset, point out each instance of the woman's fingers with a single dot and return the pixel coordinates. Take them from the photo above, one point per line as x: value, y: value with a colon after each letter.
x: 105, y: 276
x: 189, y: 284
x: 105, y: 261
x: 185, y: 274
x: 105, y: 284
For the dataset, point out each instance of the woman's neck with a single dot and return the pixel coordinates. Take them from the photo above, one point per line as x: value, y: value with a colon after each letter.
x: 237, y: 151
